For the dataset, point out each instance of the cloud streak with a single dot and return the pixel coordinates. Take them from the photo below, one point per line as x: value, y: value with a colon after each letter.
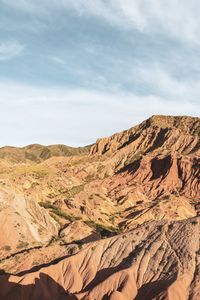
x: 147, y: 16
x: 56, y: 59
x: 10, y: 49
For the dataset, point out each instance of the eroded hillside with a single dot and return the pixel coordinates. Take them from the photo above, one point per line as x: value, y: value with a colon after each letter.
x: 115, y: 220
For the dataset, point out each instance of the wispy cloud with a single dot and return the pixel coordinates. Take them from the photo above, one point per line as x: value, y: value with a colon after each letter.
x: 148, y: 16
x: 158, y: 81
x: 56, y: 59
x: 10, y: 49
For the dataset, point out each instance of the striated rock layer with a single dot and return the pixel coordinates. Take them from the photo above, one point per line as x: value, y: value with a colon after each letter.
x: 23, y: 222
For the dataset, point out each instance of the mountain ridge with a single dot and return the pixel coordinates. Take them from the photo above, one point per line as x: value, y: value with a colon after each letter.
x: 163, y: 121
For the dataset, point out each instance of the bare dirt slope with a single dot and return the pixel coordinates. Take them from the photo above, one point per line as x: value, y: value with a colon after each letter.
x: 156, y: 260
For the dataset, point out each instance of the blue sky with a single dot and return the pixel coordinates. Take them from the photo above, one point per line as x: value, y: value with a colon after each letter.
x: 74, y: 70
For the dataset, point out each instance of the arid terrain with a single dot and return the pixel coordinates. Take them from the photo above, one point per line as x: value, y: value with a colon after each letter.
x: 119, y: 219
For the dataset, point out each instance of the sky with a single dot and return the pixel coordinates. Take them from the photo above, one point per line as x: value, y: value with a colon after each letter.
x: 72, y: 71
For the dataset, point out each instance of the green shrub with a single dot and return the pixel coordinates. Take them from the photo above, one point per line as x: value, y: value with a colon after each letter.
x: 22, y: 245
x: 89, y: 178
x: 105, y: 231
x: 64, y: 215
x: 73, y: 191
x: 194, y: 222
x: 47, y: 205
x: 57, y: 211
x: 6, y: 248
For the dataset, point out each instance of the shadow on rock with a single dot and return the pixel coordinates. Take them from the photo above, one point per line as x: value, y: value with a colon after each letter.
x: 44, y: 288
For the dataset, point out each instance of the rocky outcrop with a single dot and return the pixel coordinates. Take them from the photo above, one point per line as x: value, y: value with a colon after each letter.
x: 162, y: 175
x: 163, y: 132
x: 23, y: 222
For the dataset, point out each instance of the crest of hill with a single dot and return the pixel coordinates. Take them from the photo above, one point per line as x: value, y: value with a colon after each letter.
x: 37, y: 153
x: 157, y: 127
x: 185, y: 123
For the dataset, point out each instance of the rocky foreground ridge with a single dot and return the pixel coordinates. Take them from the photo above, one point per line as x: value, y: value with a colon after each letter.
x: 115, y: 220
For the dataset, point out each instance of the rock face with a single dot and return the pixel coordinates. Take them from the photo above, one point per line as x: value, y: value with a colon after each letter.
x: 161, y: 155
x: 120, y: 222
x: 157, y: 133
x: 24, y: 224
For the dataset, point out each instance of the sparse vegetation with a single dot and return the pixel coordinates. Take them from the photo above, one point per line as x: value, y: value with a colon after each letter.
x: 57, y: 211
x: 22, y: 245
x: 93, y: 248
x: 100, y: 168
x: 47, y: 205
x: 112, y: 219
x: 160, y: 227
x: 64, y: 215
x: 80, y: 246
x: 89, y: 178
x: 105, y: 231
x: 6, y: 248
x: 194, y: 222
x: 54, y: 239
x: 73, y: 191
x: 72, y: 250
x: 55, y: 217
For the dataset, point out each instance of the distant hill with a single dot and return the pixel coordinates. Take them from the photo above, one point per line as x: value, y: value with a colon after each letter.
x: 37, y: 153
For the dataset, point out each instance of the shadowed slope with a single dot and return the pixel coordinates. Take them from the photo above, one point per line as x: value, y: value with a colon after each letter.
x: 44, y: 288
